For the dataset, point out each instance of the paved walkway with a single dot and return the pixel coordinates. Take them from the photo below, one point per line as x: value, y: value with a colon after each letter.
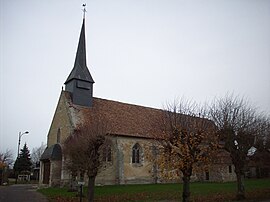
x: 21, y: 193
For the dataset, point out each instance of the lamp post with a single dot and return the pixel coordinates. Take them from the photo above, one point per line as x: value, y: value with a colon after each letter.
x: 20, y: 135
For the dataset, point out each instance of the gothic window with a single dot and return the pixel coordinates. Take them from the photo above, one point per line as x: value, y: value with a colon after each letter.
x: 230, y: 169
x: 58, y: 135
x: 107, y: 154
x: 136, y: 153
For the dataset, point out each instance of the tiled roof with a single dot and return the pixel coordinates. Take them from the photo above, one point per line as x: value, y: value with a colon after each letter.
x: 128, y: 119
x: 124, y: 119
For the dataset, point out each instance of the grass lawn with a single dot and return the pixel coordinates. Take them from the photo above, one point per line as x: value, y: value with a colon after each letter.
x: 256, y: 189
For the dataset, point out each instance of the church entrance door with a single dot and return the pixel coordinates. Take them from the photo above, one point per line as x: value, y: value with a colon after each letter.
x: 46, y: 174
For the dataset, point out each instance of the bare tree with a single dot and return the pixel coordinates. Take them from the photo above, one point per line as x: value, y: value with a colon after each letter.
x: 37, y: 152
x: 6, y: 158
x: 262, y: 141
x: 83, y: 150
x: 261, y: 154
x: 188, y: 141
x: 237, y: 125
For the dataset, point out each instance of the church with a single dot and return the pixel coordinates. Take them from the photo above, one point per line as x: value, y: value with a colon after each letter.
x: 134, y: 128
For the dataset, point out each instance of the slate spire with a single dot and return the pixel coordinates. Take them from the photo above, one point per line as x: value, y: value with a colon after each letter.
x: 80, y: 82
x: 80, y: 70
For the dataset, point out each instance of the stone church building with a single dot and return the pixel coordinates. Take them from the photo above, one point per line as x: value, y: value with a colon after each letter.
x: 133, y: 128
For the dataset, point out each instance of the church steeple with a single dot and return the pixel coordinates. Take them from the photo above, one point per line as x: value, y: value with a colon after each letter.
x: 80, y: 82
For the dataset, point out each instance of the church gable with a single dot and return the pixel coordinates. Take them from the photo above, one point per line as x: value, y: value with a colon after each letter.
x: 62, y: 124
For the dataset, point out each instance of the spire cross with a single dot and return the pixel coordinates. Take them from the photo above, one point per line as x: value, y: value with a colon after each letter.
x: 84, y: 10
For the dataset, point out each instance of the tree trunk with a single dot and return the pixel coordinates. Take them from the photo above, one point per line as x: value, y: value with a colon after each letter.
x: 91, y: 186
x: 240, y: 186
x: 72, y: 184
x: 186, y: 189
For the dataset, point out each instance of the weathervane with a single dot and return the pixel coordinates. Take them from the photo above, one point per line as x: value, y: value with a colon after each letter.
x: 84, y: 10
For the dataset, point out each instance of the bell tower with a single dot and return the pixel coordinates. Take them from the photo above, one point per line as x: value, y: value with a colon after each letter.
x: 80, y: 82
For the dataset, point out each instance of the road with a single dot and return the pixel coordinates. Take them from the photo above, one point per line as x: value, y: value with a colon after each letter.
x: 21, y: 193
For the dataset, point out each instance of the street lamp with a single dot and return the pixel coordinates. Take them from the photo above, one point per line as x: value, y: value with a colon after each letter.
x: 20, y: 135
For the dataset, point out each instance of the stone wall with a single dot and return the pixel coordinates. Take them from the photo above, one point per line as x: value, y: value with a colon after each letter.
x: 129, y: 172
x: 61, y: 123
x: 108, y: 170
x: 121, y: 170
x: 217, y: 173
x: 41, y: 171
x: 60, y: 129
x: 55, y: 176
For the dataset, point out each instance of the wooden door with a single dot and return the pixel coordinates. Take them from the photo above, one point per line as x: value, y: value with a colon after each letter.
x: 46, y: 174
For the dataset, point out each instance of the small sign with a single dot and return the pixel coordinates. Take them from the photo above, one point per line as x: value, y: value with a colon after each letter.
x: 81, y: 183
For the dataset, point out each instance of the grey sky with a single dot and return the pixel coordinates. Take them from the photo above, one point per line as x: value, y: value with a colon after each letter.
x: 144, y: 52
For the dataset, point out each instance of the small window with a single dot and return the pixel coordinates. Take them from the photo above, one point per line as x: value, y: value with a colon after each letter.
x: 230, y: 169
x: 107, y: 154
x: 206, y: 175
x: 58, y: 135
x: 136, y: 150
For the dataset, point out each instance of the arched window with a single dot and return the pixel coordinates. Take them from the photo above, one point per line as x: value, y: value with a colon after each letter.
x: 136, y: 153
x: 107, y: 154
x: 230, y: 169
x: 58, y: 135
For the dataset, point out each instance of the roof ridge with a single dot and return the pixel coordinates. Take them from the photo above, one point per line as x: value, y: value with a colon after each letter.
x: 130, y: 104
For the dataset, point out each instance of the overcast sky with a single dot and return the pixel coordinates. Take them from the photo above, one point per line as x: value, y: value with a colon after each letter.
x: 145, y: 52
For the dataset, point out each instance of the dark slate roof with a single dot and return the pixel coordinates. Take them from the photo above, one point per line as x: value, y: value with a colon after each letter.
x: 53, y: 152
x: 80, y: 70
